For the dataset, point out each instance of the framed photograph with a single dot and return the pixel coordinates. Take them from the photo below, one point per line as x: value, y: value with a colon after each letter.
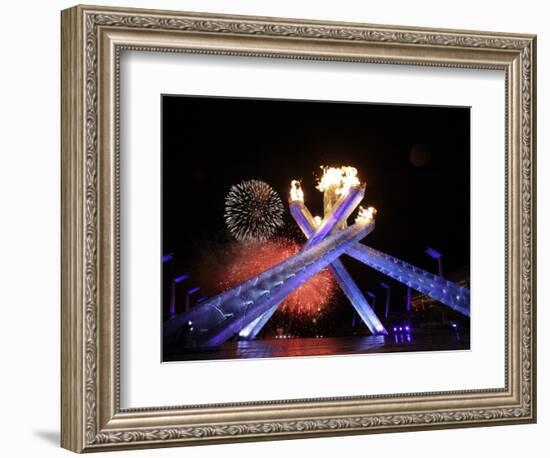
x: 277, y: 228
x: 241, y: 228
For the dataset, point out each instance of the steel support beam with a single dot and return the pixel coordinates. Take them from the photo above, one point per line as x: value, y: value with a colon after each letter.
x: 454, y: 296
x: 338, y: 213
x: 214, y: 321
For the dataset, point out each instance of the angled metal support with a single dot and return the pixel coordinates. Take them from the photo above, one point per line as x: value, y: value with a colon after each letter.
x: 251, y: 330
x: 306, y: 222
x: 454, y: 296
x: 435, y: 286
x: 338, y: 214
x: 214, y: 321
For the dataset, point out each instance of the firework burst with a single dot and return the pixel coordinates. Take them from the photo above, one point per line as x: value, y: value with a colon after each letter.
x: 253, y: 211
x: 227, y: 266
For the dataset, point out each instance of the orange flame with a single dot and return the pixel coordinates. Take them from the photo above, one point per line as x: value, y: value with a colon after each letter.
x: 365, y: 214
x: 296, y: 193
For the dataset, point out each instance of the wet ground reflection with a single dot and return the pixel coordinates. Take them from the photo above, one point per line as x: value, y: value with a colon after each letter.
x: 274, y: 348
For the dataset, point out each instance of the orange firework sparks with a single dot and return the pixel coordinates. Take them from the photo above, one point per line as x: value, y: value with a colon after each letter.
x: 248, y: 260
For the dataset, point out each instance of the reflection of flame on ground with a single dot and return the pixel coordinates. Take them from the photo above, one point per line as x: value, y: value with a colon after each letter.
x: 246, y: 260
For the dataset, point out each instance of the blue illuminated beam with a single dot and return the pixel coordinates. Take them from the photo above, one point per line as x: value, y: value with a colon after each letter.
x: 454, y: 296
x: 338, y: 214
x: 214, y: 321
x: 306, y: 222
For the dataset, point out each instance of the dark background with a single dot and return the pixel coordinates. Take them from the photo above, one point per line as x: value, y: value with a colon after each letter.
x: 414, y: 159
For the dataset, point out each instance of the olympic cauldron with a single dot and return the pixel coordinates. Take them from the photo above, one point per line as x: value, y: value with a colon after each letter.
x: 245, y: 309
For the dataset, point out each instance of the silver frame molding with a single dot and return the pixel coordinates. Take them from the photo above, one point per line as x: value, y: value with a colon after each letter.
x: 92, y: 39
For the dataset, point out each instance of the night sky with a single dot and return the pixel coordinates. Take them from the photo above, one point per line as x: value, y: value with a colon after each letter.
x: 414, y: 159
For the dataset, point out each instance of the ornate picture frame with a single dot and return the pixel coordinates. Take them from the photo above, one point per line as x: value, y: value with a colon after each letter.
x: 92, y: 40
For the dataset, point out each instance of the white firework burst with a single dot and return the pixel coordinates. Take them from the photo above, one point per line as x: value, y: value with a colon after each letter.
x: 253, y: 211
